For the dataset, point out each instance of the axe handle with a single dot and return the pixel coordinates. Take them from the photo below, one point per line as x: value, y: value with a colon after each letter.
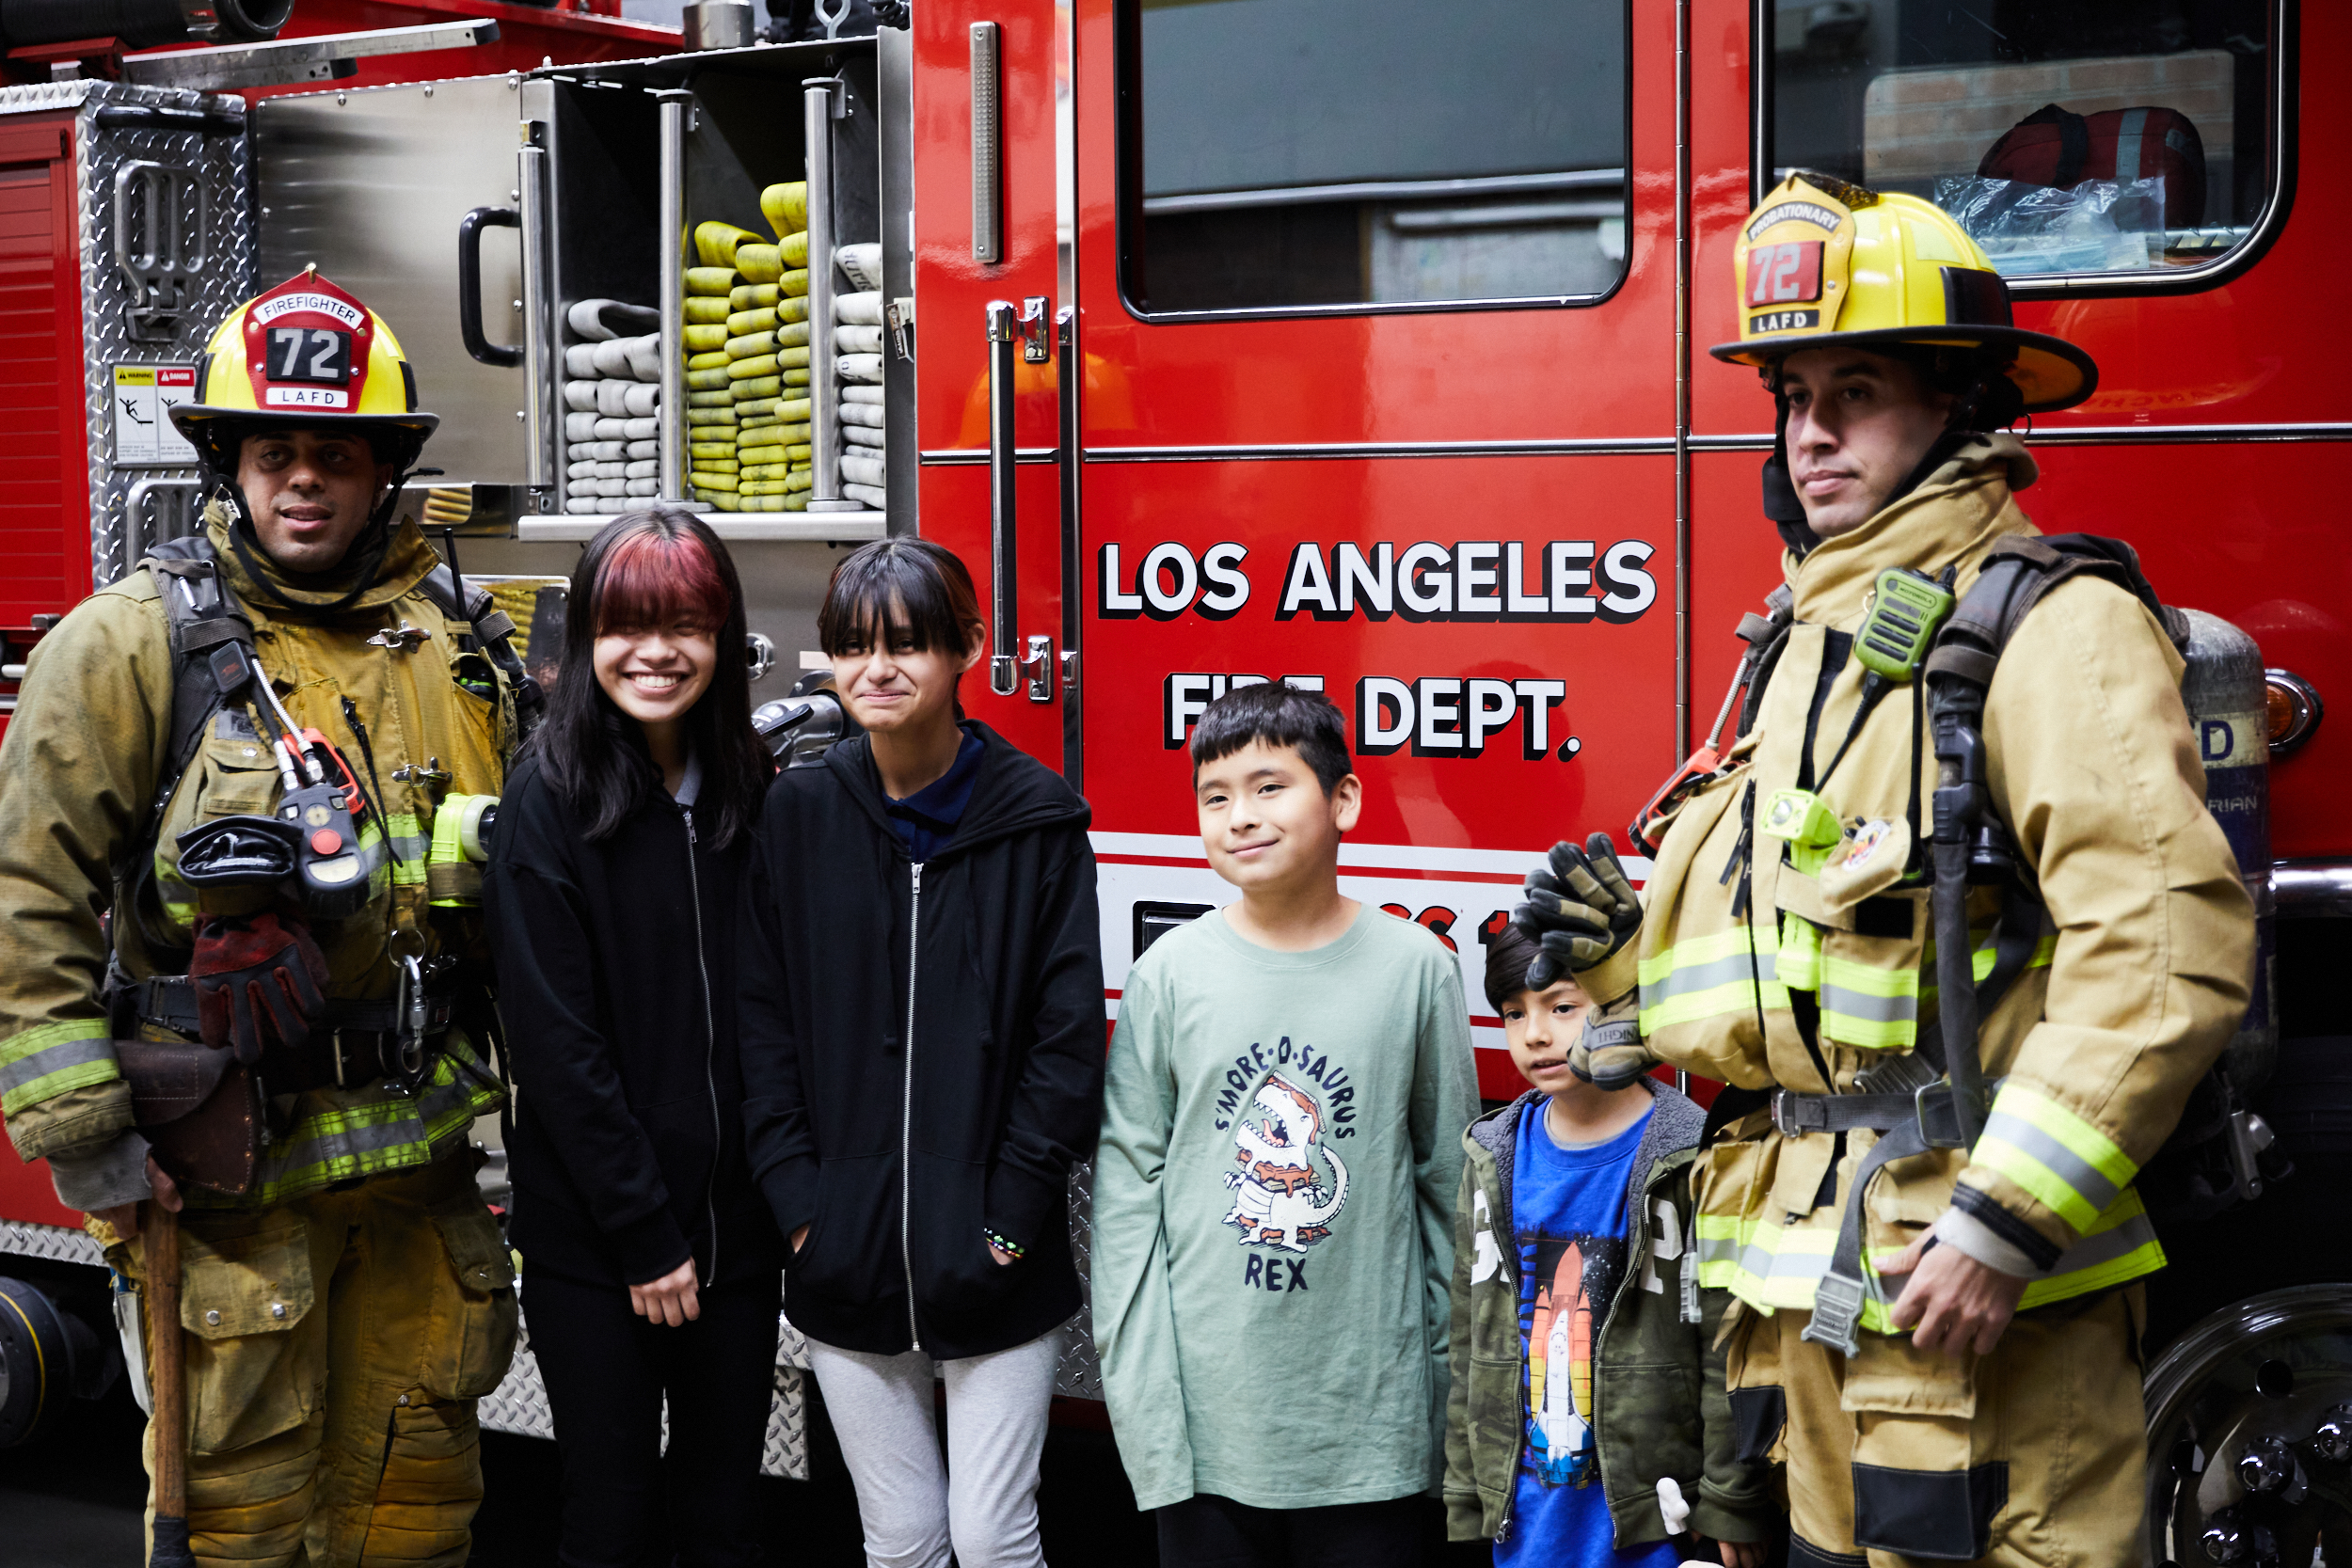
x: 168, y: 1382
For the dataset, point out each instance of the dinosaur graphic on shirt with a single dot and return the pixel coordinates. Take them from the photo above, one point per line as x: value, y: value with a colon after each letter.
x: 1278, y: 1201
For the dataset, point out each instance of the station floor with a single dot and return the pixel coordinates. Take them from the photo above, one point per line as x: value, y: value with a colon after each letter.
x: 74, y: 1501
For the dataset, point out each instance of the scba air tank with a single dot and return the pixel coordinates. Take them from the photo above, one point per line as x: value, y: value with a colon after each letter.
x: 2223, y: 690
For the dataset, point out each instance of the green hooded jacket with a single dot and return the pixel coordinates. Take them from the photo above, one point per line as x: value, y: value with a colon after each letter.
x: 1660, y: 1409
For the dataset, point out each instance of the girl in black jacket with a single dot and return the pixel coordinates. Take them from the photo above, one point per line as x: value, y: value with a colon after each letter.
x: 922, y: 1035
x: 651, y: 1267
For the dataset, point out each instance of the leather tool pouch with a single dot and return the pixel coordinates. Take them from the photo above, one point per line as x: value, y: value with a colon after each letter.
x: 199, y: 1109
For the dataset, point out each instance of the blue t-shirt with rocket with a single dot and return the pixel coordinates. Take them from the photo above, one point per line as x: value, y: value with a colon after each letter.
x: 1569, y: 1210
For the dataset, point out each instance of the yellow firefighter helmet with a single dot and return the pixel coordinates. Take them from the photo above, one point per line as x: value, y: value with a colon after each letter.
x: 305, y: 353
x: 1823, y: 262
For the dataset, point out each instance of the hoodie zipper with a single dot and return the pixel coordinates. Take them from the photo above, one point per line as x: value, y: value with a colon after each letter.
x: 711, y: 1045
x: 906, y: 1107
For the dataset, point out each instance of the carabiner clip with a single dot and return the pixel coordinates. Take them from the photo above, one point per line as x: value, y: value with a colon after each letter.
x: 410, y: 1014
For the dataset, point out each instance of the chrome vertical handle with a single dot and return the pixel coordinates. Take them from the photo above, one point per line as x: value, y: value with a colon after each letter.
x: 1004, y: 556
x: 137, y: 537
x: 988, y: 217
x: 539, y: 322
x: 822, y: 102
x: 676, y: 103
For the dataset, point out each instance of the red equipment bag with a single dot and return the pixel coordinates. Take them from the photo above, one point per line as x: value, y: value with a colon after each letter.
x: 2057, y: 147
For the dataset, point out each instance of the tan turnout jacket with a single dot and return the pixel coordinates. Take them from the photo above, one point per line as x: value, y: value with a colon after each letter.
x: 84, y: 757
x: 2140, y: 974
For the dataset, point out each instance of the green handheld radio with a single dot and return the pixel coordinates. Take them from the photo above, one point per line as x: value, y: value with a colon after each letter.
x: 1907, y: 610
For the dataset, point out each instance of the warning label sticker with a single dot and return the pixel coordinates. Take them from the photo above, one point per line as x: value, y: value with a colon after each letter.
x: 144, y: 397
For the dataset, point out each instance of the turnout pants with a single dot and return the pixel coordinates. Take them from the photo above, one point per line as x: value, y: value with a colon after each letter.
x: 336, y: 1346
x: 2033, y: 1455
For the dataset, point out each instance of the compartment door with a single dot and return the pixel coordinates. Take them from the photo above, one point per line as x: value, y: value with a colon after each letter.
x: 373, y: 185
x: 1377, y: 322
x: 985, y: 233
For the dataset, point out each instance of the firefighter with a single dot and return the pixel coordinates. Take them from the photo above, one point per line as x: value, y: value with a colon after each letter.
x: 1938, y: 1302
x: 346, y: 1296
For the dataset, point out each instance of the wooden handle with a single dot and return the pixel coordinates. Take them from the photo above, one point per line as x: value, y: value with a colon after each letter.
x: 167, y: 1381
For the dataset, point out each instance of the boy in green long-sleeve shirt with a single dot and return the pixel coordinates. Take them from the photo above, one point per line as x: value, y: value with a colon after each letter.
x: 1274, y: 1196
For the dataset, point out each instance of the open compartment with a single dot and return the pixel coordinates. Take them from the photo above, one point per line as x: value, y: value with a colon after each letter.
x: 758, y: 397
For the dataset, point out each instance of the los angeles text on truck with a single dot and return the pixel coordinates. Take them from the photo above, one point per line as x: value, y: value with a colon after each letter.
x: 1345, y: 343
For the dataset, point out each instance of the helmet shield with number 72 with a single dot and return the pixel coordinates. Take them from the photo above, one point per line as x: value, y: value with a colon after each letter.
x: 305, y: 353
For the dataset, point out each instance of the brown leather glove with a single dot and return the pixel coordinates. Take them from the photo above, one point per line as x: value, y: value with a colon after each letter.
x: 257, y: 977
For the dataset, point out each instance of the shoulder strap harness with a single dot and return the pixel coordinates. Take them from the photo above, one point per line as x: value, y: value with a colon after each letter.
x: 1971, y: 847
x: 203, y: 612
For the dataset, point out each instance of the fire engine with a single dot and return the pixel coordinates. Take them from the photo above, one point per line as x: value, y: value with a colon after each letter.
x: 1348, y: 343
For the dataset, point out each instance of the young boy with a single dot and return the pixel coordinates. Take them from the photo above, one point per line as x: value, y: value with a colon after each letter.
x: 1586, y: 1420
x: 1273, y: 1199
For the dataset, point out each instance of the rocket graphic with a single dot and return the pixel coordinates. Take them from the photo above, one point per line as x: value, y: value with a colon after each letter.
x: 1569, y: 1359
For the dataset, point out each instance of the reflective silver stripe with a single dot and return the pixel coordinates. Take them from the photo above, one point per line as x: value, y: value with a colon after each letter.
x: 322, y: 1150
x: 1862, y: 1005
x: 54, y: 1058
x: 1760, y: 1262
x: 2095, y: 1190
x: 1687, y: 979
x: 2127, y: 138
x: 310, y: 1161
x: 2106, y: 1247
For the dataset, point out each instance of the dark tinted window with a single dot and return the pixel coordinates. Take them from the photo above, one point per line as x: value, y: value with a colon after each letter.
x: 1346, y: 152
x: 2067, y: 136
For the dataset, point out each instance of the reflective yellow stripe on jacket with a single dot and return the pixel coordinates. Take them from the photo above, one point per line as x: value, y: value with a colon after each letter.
x: 43, y: 1063
x: 1703, y: 977
x: 1779, y: 1266
x: 2053, y: 1155
x: 330, y: 1143
x: 1866, y: 1005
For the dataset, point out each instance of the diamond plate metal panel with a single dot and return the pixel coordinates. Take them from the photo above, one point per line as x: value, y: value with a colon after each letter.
x: 1080, y: 1374
x: 57, y: 1243
x: 518, y: 1405
x: 220, y: 165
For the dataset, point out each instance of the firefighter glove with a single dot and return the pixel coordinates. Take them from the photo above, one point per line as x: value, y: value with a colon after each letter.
x: 257, y: 978
x: 1609, y: 1053
x: 1579, y: 910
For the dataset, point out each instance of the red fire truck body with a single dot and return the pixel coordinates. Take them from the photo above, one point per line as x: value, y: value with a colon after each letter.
x: 1272, y: 433
x: 1204, y: 394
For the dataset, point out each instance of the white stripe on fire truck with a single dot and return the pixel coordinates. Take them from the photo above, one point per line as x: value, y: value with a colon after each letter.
x: 1398, y: 857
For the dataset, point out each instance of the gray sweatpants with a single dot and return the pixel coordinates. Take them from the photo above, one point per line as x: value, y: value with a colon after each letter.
x: 984, y: 1505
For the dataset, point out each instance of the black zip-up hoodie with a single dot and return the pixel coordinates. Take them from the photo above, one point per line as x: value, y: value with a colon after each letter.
x: 617, y: 985
x: 902, y: 1134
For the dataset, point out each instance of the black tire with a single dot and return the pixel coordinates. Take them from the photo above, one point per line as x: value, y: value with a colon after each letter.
x: 2240, y: 1397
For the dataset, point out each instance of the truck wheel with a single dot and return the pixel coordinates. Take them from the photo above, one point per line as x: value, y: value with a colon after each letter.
x: 47, y: 1357
x: 2249, y: 1435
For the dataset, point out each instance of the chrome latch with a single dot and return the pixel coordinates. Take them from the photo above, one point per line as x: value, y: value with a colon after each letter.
x: 901, y: 319
x: 432, y: 772
x: 2250, y: 1137
x: 1069, y: 671
x: 1037, y: 664
x: 400, y: 641
x: 1034, y: 347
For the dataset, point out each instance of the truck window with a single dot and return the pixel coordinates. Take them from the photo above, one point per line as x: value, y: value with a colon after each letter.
x: 1353, y: 154
x: 2123, y: 137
